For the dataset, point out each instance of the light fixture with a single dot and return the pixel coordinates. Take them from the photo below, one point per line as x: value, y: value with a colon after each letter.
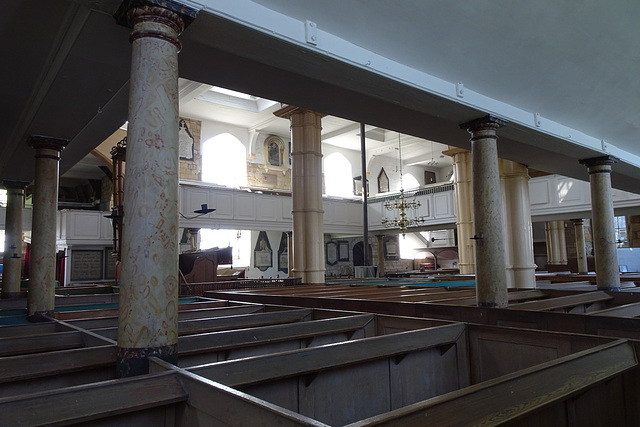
x: 202, y: 211
x: 432, y: 162
x: 401, y: 220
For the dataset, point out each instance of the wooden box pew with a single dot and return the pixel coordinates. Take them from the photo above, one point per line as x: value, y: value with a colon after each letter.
x: 213, y: 404
x: 579, y: 303
x: 45, y: 371
x: 148, y: 400
x: 512, y: 296
x: 183, y: 308
x: 228, y: 322
x: 347, y: 381
x: 32, y: 329
x: 90, y: 322
x: 227, y: 345
x: 625, y: 310
x: 563, y: 392
x: 440, y: 294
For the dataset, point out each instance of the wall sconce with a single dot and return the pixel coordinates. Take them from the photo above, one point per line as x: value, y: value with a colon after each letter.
x: 202, y: 211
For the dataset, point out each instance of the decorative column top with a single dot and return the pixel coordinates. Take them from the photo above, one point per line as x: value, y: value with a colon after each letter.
x: 186, y: 14
x: 40, y: 142
x: 288, y: 110
x: 119, y: 150
x: 484, y: 123
x: 15, y: 185
x: 452, y: 151
x: 599, y: 161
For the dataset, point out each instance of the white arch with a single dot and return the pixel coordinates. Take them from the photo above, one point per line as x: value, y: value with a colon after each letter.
x: 338, y: 176
x: 409, y: 181
x: 224, y: 161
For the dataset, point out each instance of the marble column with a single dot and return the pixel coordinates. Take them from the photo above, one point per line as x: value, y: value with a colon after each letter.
x: 289, y: 253
x: 556, y: 243
x: 581, y: 249
x: 13, y: 256
x: 306, y: 193
x: 148, y: 315
x: 519, y: 230
x: 488, y: 218
x: 464, y: 208
x: 602, y: 223
x: 380, y: 240
x: 42, y: 265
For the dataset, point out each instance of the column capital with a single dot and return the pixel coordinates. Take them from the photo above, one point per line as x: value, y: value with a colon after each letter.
x: 40, y: 142
x: 184, y: 13
x: 484, y: 123
x: 119, y: 150
x: 452, y: 151
x: 578, y: 221
x: 14, y: 185
x: 288, y: 110
x: 599, y: 161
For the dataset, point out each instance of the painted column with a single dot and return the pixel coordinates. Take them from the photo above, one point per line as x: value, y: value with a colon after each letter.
x: 464, y: 208
x: 42, y: 265
x: 556, y: 243
x: 581, y: 249
x: 306, y: 193
x: 148, y: 315
x: 13, y: 256
x: 602, y: 223
x: 488, y: 218
x: 519, y: 232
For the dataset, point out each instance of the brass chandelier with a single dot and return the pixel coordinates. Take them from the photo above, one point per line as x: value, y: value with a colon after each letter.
x: 401, y: 206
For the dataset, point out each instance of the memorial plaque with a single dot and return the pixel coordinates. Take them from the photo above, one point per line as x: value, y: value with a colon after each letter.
x: 86, y: 265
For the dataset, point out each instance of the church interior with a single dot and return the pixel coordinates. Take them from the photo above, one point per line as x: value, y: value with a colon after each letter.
x: 266, y: 212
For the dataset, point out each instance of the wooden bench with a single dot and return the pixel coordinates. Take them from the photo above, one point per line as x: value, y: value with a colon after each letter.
x: 625, y: 310
x: 564, y: 302
x: 85, y: 403
x: 540, y: 395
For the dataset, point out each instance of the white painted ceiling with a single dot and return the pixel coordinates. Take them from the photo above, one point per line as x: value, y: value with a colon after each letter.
x: 416, y: 67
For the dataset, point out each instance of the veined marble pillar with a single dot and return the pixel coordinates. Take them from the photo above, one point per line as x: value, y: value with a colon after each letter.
x: 12, y: 260
x: 519, y: 231
x: 556, y: 243
x: 581, y: 249
x: 148, y: 315
x: 488, y: 218
x: 602, y: 223
x: 306, y: 193
x: 42, y: 265
x: 464, y: 208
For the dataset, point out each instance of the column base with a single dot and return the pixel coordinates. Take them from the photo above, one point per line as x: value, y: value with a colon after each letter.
x: 489, y: 305
x: 41, y: 316
x: 9, y: 295
x: 135, y: 361
x: 609, y: 288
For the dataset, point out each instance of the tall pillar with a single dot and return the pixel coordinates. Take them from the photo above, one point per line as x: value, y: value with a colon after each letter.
x: 42, y: 265
x: 380, y: 239
x: 464, y: 208
x: 602, y: 222
x: 521, y: 267
x: 12, y: 260
x: 306, y: 193
x: 491, y: 277
x: 581, y: 249
x: 148, y: 315
x: 556, y: 243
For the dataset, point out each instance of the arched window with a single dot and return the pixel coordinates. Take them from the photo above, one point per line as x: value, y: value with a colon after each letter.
x: 224, y: 161
x: 338, y: 178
